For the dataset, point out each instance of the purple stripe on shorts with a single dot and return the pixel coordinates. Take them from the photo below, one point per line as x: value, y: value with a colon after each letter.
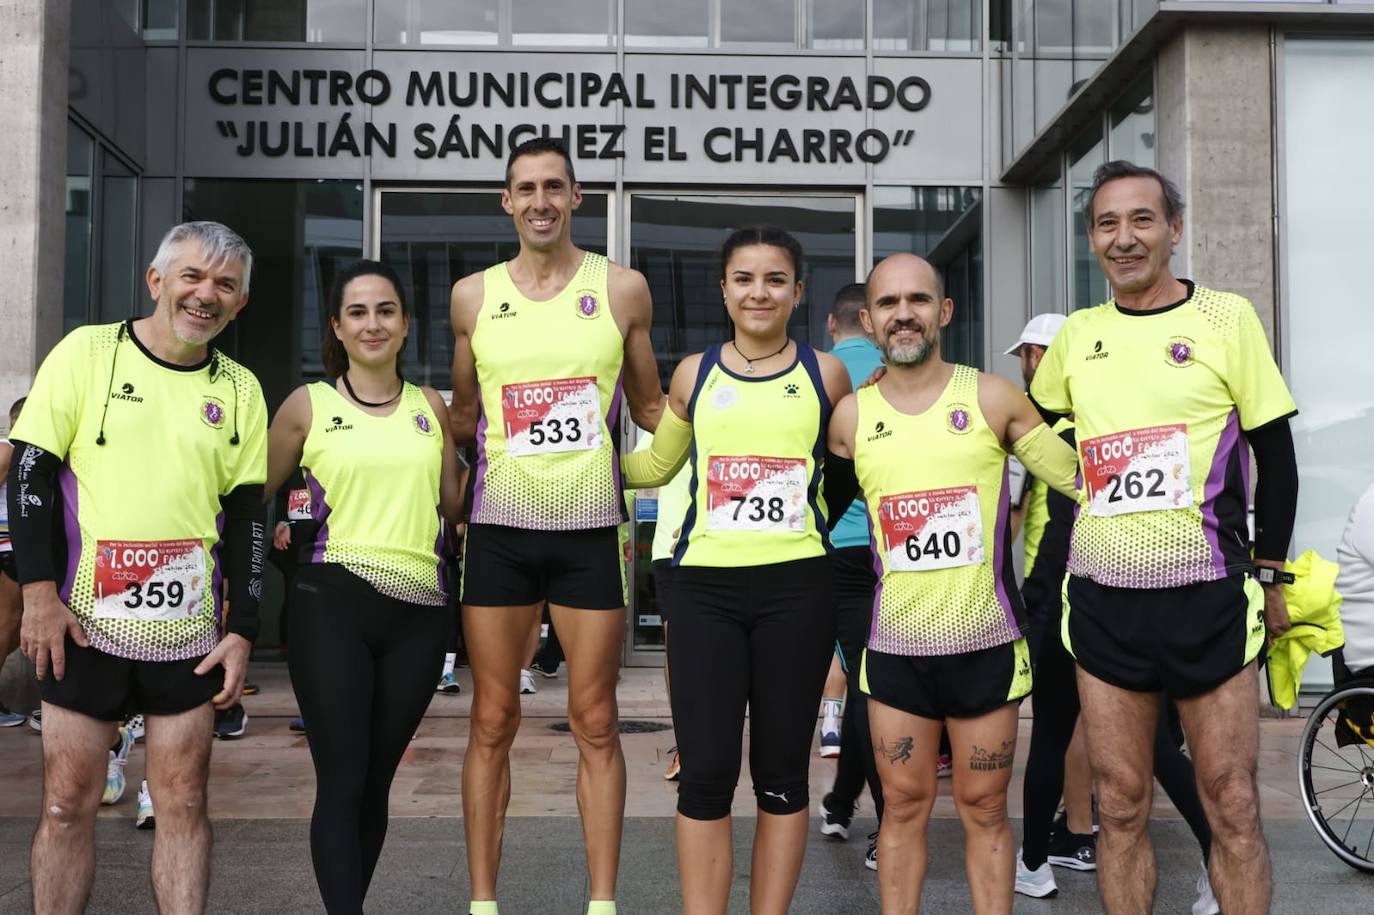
x: 479, y: 473
x: 1216, y: 481
x: 319, y: 510
x: 67, y: 481
x: 217, y: 579
x: 999, y: 535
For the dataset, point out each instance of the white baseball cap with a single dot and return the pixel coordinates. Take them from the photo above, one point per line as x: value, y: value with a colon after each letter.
x: 1039, y: 330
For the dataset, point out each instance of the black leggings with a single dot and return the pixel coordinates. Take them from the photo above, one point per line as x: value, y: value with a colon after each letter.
x: 761, y: 637
x: 854, y: 585
x: 1055, y: 708
x: 363, y: 667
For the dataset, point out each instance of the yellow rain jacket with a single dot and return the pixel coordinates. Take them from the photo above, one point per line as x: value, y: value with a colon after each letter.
x: 1314, y: 609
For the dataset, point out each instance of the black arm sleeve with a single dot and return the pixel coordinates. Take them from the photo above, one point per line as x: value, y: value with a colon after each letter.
x: 1049, y: 417
x: 242, y: 554
x: 841, y: 486
x: 1043, y: 581
x: 1276, y: 489
x: 34, y: 512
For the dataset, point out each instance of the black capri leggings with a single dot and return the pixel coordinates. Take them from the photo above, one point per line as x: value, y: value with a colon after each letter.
x: 363, y: 667
x: 759, y: 637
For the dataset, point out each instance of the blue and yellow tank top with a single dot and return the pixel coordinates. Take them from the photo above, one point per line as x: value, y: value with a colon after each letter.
x: 550, y: 376
x: 936, y: 489
x: 757, y: 449
x: 374, y: 492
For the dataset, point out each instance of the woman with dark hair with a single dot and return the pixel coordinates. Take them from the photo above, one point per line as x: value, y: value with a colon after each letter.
x: 369, y: 611
x: 753, y: 612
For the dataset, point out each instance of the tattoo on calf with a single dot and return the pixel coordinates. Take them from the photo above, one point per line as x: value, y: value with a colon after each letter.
x: 982, y: 760
x: 899, y: 751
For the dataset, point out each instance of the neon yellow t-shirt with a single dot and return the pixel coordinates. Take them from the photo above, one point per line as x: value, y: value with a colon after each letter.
x: 1161, y: 401
x: 142, y: 511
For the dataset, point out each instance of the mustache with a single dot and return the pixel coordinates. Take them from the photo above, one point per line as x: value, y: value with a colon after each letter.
x: 896, y: 326
x: 196, y: 303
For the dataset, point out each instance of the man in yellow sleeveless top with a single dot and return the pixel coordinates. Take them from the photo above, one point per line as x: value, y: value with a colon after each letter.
x: 947, y: 645
x: 1170, y: 386
x: 546, y: 346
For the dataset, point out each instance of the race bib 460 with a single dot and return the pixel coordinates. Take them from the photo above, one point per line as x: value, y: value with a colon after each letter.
x: 934, y: 529
x: 1138, y: 470
x: 545, y: 417
x: 149, y: 579
x: 748, y: 493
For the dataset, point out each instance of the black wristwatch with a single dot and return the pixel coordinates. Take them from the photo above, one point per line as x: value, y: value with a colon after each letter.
x: 1267, y: 575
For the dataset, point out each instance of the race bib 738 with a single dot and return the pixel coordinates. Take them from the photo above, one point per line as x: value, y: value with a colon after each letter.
x: 750, y: 493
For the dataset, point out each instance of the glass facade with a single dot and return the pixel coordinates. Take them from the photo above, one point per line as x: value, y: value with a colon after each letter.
x: 102, y: 278
x: 80, y: 197
x: 278, y: 20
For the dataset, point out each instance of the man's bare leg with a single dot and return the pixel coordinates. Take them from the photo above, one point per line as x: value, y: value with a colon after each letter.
x: 1223, y: 734
x: 75, y: 751
x: 906, y: 747
x: 178, y: 771
x: 1078, y: 785
x: 496, y: 641
x: 1120, y: 728
x: 11, y: 611
x: 984, y: 749
x: 592, y: 641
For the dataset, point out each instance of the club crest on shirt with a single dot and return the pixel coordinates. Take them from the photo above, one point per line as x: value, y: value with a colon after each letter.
x: 422, y: 423
x: 724, y: 397
x: 588, y: 305
x: 959, y: 420
x: 1180, y: 352
x: 212, y: 412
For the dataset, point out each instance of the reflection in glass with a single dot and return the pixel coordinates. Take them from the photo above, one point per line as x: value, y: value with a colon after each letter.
x: 76, y: 283
x: 945, y: 226
x: 119, y: 270
x: 127, y: 10
x: 926, y: 25
x: 1085, y: 155
x: 160, y: 19
x: 678, y: 24
x: 758, y: 22
x: 276, y: 20
x: 435, y: 239
x: 582, y: 23
x: 836, y: 25
x: 1053, y: 86
x: 1328, y: 130
x: 1133, y: 123
x: 1049, y: 279
x: 438, y: 22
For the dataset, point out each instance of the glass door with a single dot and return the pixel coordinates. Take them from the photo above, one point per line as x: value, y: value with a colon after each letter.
x: 674, y: 239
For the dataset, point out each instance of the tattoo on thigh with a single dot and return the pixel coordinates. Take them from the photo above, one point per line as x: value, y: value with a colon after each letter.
x: 982, y: 760
x: 899, y: 751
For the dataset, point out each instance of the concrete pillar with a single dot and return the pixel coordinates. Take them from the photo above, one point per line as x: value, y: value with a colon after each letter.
x: 34, y: 55
x: 1215, y: 121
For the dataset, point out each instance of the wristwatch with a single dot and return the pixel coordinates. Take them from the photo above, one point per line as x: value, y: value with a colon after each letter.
x: 1267, y: 575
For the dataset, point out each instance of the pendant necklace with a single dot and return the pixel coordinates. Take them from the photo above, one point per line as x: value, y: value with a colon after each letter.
x: 749, y: 363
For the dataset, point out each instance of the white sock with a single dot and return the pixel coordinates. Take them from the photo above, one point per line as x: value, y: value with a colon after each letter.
x: 449, y: 660
x: 832, y: 707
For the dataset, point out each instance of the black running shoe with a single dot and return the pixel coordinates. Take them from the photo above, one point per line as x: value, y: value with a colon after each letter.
x: 231, y: 723
x: 1071, y: 850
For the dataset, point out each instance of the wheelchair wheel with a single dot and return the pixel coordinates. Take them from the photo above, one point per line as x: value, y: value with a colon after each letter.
x: 1336, y: 775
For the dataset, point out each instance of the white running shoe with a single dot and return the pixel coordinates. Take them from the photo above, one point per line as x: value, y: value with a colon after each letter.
x: 448, y: 683
x: 830, y: 733
x: 527, y: 683
x: 1206, y: 903
x: 114, y: 770
x: 144, y: 818
x: 135, y: 726
x: 871, y: 856
x: 1038, y: 883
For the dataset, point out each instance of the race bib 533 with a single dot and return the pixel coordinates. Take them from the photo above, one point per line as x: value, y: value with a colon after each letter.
x: 149, y: 579
x: 1138, y: 470
x: 545, y: 417
x: 749, y: 493
x: 934, y: 529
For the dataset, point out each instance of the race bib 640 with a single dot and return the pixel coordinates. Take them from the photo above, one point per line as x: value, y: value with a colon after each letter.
x: 750, y: 493
x: 1138, y: 470
x: 149, y: 579
x: 545, y: 417
x: 933, y: 529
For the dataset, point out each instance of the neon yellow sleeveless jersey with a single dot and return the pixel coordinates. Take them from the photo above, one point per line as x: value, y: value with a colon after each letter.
x: 374, y: 491
x: 1161, y: 401
x: 936, y: 489
x: 550, y: 377
x: 142, y: 511
x: 757, y: 448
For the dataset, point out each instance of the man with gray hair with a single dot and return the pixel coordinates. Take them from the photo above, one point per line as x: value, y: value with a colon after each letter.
x: 135, y: 497
x: 1171, y: 385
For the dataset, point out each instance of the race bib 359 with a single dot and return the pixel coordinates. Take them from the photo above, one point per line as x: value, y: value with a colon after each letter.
x: 149, y: 580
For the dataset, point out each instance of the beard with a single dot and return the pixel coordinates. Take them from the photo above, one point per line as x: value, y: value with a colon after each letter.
x: 914, y: 353
x: 198, y: 337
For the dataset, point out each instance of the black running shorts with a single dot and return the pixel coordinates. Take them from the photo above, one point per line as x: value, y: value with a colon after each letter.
x: 111, y: 688
x: 663, y: 586
x: 965, y: 685
x: 1184, y: 641
x: 514, y: 567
